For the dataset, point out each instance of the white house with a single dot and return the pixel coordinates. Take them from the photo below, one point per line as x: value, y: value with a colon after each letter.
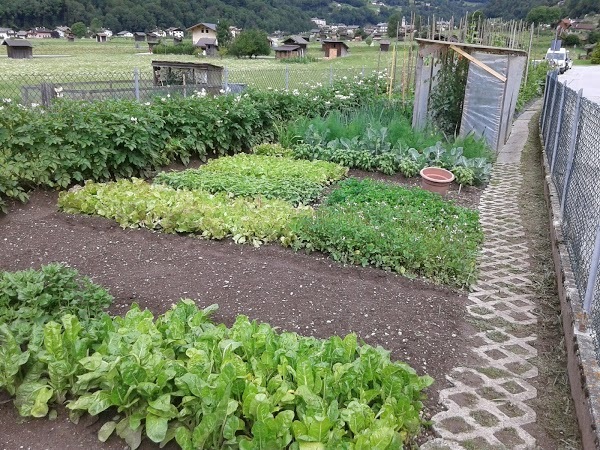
x: 175, y: 32
x: 107, y: 32
x: 319, y: 22
x: 7, y: 33
x: 204, y: 35
x: 125, y: 34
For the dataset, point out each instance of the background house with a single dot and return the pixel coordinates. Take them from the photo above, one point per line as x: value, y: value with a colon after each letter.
x: 18, y: 48
x: 125, y: 34
x: 175, y: 32
x: 299, y: 41
x: 204, y: 35
x: 39, y: 33
x: 7, y: 33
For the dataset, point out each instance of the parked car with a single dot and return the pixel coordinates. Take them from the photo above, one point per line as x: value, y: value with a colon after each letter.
x: 559, y: 59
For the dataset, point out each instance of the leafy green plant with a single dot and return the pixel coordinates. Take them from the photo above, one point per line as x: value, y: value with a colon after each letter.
x: 180, y: 377
x: 135, y: 203
x: 268, y: 149
x: 34, y: 297
x: 463, y: 175
x: 409, y: 231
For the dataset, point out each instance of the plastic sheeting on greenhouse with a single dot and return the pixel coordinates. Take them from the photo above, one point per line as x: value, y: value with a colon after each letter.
x: 491, y: 92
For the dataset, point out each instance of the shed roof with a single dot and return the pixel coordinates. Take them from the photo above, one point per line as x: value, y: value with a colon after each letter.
x: 296, y: 40
x: 384, y: 42
x: 205, y: 41
x: 332, y: 41
x: 286, y: 48
x: 184, y: 65
x: 16, y: 43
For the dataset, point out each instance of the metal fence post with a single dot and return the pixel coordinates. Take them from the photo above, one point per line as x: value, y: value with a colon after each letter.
x: 136, y: 83
x: 589, y: 291
x: 226, y: 83
x: 545, y: 108
x: 331, y: 75
x: 362, y: 73
x: 561, y: 105
x: 287, y: 77
x: 553, y: 100
x: 572, y: 145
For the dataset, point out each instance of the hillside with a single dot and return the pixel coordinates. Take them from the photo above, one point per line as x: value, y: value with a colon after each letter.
x: 269, y: 15
x: 511, y: 9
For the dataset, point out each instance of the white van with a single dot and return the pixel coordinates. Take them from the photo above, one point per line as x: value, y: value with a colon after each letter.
x: 559, y: 59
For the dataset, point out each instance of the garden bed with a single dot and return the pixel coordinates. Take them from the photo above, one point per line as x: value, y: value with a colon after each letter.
x: 419, y: 323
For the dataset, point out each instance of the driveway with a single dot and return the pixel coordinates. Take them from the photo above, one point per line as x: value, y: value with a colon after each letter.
x: 586, y: 78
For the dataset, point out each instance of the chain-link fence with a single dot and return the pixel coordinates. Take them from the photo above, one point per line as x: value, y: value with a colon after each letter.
x: 28, y: 89
x: 571, y: 134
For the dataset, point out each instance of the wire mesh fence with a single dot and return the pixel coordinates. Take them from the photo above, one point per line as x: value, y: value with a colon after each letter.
x: 28, y: 89
x: 571, y: 133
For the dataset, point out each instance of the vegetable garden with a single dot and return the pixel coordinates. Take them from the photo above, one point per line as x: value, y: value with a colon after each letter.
x: 176, y: 375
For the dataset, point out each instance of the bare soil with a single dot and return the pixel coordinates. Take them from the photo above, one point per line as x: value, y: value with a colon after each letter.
x: 419, y: 322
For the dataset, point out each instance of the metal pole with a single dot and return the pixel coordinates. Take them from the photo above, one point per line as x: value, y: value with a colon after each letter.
x: 136, y: 83
x: 331, y: 75
x: 287, y: 77
x: 545, y: 107
x: 572, y: 145
x: 589, y: 291
x: 226, y: 79
x: 553, y: 100
x: 529, y: 55
x: 558, y: 128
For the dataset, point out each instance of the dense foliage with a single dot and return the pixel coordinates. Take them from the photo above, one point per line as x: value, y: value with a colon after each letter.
x: 135, y: 203
x: 76, y: 141
x: 298, y: 182
x: 250, y: 43
x: 509, y: 9
x: 534, y: 87
x: 181, y: 377
x: 409, y: 231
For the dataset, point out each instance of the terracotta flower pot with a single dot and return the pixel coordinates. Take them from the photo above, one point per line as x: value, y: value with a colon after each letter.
x: 436, y: 179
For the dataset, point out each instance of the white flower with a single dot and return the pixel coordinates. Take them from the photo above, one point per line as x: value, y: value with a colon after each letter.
x: 7, y: 100
x: 147, y: 103
x: 35, y: 105
x: 134, y: 119
x: 168, y: 95
x: 222, y: 91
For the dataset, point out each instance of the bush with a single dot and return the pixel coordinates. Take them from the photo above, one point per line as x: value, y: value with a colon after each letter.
x: 185, y: 48
x: 409, y: 231
x: 75, y: 141
x: 572, y: 40
x: 595, y: 59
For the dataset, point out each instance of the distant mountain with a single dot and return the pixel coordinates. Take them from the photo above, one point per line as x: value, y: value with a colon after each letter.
x: 268, y: 15
x: 511, y: 9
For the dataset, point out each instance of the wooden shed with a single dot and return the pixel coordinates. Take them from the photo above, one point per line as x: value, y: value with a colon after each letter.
x: 384, y: 45
x: 287, y: 51
x: 197, y: 76
x: 139, y: 36
x: 101, y: 37
x: 299, y: 41
x: 493, y: 78
x: 18, y: 48
x: 334, y: 49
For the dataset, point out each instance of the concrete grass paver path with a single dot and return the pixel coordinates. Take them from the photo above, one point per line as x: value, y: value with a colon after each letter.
x: 487, y: 404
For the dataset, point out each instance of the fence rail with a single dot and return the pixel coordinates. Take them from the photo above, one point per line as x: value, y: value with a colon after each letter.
x: 28, y: 89
x: 571, y: 135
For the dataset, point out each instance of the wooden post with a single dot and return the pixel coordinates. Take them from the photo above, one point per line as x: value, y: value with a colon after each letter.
x: 529, y: 54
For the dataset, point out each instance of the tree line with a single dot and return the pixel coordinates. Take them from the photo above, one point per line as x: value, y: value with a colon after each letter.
x: 268, y: 15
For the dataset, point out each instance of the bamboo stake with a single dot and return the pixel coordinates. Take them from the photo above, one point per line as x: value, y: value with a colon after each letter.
x: 529, y: 54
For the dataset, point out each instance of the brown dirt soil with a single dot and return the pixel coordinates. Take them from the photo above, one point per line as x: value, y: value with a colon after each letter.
x: 420, y: 323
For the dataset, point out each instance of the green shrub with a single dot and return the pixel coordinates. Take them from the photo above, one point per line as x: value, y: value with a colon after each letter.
x: 409, y: 231
x: 536, y: 80
x: 272, y: 150
x: 136, y: 204
x: 180, y: 377
x: 595, y: 58
x: 299, y: 60
x: 184, y: 48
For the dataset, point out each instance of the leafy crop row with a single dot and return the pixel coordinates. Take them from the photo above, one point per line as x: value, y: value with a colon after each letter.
x: 74, y: 141
x: 409, y: 231
x: 299, y: 182
x: 180, y: 377
x: 136, y: 203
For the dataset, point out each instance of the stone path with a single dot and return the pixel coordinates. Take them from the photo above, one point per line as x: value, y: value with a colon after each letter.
x: 486, y: 407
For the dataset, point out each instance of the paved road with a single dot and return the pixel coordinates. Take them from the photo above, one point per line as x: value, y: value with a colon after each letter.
x: 586, y: 77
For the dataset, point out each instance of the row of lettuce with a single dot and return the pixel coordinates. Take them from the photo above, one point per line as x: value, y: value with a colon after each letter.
x: 76, y: 141
x: 181, y: 377
x: 260, y: 198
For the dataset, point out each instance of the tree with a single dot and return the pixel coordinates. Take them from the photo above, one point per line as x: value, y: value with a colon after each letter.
x: 79, y: 29
x: 572, y: 40
x: 544, y: 15
x: 223, y: 33
x: 594, y: 37
x: 95, y: 25
x: 250, y: 43
x: 595, y: 59
x: 393, y: 23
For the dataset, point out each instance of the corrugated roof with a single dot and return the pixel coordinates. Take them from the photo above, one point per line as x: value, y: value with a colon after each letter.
x: 212, y: 26
x: 286, y: 48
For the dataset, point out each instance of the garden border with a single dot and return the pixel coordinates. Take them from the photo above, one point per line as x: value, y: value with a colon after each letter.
x: 582, y: 365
